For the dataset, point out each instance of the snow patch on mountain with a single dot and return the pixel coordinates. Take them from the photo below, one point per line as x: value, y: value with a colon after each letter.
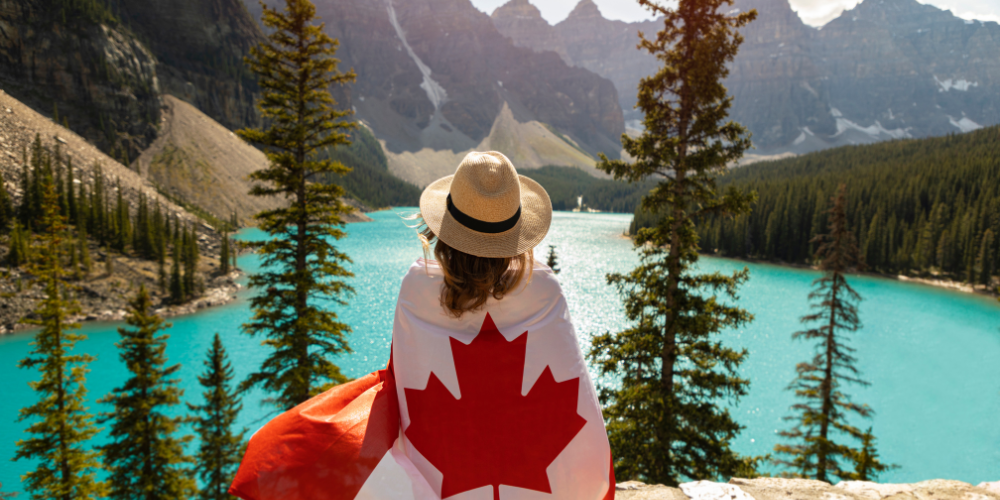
x: 435, y: 92
x: 964, y: 124
x: 960, y: 84
x: 802, y: 136
x: 875, y: 131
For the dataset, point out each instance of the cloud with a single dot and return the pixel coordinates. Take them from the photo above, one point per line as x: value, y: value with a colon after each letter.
x: 820, y: 12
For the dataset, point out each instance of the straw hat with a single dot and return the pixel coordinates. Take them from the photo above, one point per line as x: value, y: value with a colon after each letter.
x: 486, y: 209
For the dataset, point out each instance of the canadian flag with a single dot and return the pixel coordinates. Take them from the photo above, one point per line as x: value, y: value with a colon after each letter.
x: 497, y: 404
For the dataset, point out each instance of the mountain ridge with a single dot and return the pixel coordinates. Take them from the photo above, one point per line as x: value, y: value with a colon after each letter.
x: 434, y: 76
x: 884, y: 69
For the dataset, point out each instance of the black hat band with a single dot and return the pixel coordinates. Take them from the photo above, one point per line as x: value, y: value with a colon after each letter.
x: 481, y: 225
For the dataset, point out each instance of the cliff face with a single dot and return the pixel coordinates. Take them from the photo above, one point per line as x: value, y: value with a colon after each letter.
x: 435, y: 75
x: 200, y: 46
x: 101, y: 79
x: 608, y: 48
x: 523, y: 24
x: 778, y: 89
x: 885, y: 69
x: 912, y: 67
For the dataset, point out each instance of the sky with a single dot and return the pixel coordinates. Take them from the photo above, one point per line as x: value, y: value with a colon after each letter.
x: 812, y: 12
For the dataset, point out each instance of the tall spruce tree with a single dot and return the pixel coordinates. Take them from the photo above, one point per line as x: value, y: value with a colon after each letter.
x: 666, y: 419
x: 61, y: 426
x: 816, y: 447
x: 145, y: 459
x: 219, y: 453
x: 296, y: 67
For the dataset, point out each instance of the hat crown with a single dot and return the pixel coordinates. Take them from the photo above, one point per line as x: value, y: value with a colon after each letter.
x: 486, y: 187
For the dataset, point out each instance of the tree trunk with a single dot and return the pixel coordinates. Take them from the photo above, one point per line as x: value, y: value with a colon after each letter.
x: 826, y: 388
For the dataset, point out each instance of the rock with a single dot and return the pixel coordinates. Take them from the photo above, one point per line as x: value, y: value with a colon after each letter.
x: 992, y: 487
x: 941, y: 489
x: 629, y: 485
x: 876, y: 491
x: 635, y: 490
x: 707, y: 490
x: 769, y: 488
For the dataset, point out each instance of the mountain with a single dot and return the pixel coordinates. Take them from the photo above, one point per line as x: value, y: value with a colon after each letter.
x: 886, y: 69
x: 436, y: 79
x: 199, y: 46
x: 78, y: 61
x: 197, y: 160
x: 102, y: 71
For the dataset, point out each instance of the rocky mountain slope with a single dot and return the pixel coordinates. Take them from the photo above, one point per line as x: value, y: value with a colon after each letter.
x: 436, y: 79
x: 884, y: 69
x: 102, y: 295
x: 197, y: 160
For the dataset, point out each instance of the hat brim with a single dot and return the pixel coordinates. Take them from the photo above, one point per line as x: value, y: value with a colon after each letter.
x: 530, y: 230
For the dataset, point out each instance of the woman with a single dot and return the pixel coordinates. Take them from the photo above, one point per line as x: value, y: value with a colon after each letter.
x: 486, y: 394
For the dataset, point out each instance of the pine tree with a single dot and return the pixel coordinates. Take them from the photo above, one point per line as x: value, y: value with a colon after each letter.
x: 220, y: 451
x: 177, y: 293
x: 815, y: 449
x: 84, y: 250
x: 867, y: 466
x: 984, y: 260
x: 61, y: 426
x: 6, y: 207
x: 224, y: 254
x: 296, y: 67
x: 667, y: 419
x: 19, y: 253
x: 71, y: 193
x: 190, y: 256
x: 552, y: 260
x: 144, y: 458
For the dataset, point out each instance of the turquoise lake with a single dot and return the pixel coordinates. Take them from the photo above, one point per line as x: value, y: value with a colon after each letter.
x: 932, y: 356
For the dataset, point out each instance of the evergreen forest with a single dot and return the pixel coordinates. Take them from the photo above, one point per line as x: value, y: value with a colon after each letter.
x: 369, y: 180
x: 923, y: 207
x: 565, y: 184
x: 98, y: 211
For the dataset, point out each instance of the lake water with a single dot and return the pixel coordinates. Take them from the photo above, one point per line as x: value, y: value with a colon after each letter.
x: 932, y: 356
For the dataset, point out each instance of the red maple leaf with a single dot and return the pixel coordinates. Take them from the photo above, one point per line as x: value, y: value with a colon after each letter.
x: 493, y: 435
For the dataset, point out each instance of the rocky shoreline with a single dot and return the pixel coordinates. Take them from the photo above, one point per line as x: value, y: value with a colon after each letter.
x: 103, y: 300
x: 807, y: 489
x: 935, y: 282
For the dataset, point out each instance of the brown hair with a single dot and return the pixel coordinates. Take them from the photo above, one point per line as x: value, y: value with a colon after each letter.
x: 469, y: 281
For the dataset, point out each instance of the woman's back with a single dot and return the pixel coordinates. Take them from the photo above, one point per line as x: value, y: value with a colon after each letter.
x: 497, y: 399
x: 486, y: 394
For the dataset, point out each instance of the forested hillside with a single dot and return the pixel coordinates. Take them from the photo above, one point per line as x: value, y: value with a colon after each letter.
x: 370, y: 181
x: 565, y: 184
x: 929, y: 206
